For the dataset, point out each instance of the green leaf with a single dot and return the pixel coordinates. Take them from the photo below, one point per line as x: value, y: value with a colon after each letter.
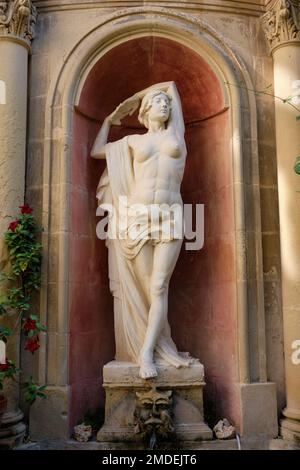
x: 41, y: 327
x: 32, y: 391
x: 34, y: 317
x: 5, y: 332
x: 297, y: 166
x: 23, y: 265
x: 3, y: 309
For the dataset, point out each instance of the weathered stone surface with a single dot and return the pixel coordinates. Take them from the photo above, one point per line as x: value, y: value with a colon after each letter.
x: 282, y: 22
x: 13, y: 108
x: 49, y: 417
x: 18, y: 18
x: 224, y: 430
x: 82, y: 432
x: 259, y: 410
x: 125, y: 373
x: 68, y: 444
x: 254, y: 443
x: 282, y: 28
x: 121, y: 381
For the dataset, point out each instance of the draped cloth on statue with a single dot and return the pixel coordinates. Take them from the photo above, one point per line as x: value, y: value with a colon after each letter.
x: 115, y: 182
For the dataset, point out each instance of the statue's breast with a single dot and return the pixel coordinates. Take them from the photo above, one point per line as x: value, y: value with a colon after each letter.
x: 148, y: 146
x: 170, y: 146
x: 143, y: 149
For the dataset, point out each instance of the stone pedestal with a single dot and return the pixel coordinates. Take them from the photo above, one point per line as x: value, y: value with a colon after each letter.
x: 121, y: 382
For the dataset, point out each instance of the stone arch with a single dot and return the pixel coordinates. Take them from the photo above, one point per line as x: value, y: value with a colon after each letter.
x: 65, y: 93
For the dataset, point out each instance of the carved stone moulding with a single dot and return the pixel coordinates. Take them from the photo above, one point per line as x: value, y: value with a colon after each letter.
x: 18, y: 19
x: 281, y: 23
x: 173, y: 401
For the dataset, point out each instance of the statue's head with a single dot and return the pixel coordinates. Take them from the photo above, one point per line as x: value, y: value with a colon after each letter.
x: 155, y: 106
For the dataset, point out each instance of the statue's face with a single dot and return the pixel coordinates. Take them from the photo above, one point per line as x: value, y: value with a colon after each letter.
x: 160, y: 108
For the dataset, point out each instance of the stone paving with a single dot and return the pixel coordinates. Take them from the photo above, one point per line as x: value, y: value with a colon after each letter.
x: 232, y: 444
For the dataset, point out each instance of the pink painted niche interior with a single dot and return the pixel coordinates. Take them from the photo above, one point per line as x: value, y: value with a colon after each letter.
x: 202, y: 299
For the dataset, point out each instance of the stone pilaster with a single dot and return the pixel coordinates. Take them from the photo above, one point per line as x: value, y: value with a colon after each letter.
x: 282, y: 27
x: 17, y: 20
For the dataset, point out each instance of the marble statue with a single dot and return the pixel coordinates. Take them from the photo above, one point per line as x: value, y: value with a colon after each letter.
x: 147, y: 169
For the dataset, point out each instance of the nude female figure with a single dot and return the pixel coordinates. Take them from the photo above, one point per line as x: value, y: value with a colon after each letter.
x: 158, y: 161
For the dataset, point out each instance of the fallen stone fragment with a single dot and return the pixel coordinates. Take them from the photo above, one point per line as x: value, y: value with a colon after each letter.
x: 224, y: 430
x: 82, y: 432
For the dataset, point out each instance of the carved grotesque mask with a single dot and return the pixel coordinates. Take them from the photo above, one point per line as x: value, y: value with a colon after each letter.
x: 153, y: 414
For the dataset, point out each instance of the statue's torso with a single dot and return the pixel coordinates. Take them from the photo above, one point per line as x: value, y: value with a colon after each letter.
x: 159, y: 160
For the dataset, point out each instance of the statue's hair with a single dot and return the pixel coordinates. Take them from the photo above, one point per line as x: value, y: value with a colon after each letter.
x: 147, y: 103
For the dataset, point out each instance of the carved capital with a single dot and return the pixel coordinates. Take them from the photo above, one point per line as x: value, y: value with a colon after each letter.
x: 18, y: 18
x: 281, y: 23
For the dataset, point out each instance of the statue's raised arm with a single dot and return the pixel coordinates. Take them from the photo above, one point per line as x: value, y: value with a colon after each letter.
x: 175, y: 122
x: 126, y: 108
x: 130, y: 105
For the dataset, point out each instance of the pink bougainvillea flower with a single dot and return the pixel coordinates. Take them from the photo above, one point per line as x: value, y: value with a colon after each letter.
x: 13, y: 225
x: 32, y: 344
x: 26, y: 209
x: 29, y: 324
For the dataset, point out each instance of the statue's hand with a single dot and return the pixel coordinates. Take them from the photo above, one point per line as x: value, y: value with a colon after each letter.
x: 128, y: 107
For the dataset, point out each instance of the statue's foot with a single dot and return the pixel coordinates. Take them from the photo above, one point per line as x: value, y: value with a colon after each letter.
x: 147, y: 367
x: 147, y: 370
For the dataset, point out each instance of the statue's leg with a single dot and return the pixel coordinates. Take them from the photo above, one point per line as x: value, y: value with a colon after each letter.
x: 164, y: 260
x: 143, y: 265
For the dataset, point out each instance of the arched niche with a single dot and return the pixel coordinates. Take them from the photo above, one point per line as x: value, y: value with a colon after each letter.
x: 202, y: 307
x: 209, y: 309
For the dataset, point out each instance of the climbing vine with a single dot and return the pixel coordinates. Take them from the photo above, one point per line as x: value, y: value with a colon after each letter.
x: 21, y: 280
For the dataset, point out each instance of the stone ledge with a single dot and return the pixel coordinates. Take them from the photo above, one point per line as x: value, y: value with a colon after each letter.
x: 123, y: 374
x: 246, y: 444
x: 254, y: 8
x: 68, y: 444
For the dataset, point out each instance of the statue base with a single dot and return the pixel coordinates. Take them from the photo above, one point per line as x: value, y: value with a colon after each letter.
x: 122, y: 383
x: 12, y: 429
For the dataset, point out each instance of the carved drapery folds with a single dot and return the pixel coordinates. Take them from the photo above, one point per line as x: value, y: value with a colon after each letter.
x: 281, y: 23
x: 18, y: 18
